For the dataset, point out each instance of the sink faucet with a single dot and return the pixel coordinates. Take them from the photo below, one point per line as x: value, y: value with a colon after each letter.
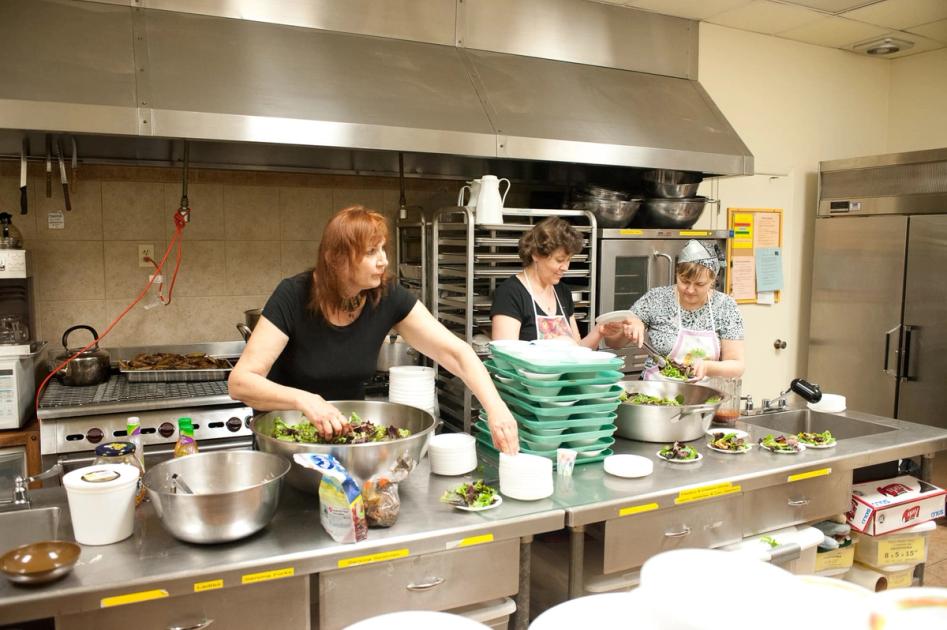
x: 21, y: 493
x: 808, y: 391
x: 748, y: 406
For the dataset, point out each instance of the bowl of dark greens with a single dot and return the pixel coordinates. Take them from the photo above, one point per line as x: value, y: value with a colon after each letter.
x: 663, y: 411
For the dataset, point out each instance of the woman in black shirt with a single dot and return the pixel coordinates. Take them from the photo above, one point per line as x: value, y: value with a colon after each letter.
x: 320, y: 333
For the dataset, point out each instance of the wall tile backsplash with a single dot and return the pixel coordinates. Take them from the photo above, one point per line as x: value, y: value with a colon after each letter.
x: 248, y: 230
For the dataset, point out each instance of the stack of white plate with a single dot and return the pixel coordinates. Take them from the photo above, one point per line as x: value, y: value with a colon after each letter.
x: 453, y: 453
x: 413, y: 385
x: 525, y: 477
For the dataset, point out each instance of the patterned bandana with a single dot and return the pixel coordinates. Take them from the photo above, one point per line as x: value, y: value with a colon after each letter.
x: 695, y: 252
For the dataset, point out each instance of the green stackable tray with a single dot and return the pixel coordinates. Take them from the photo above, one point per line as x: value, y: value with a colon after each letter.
x: 575, y: 423
x: 604, y: 377
x: 487, y: 444
x: 556, y: 413
x: 566, y: 367
x: 613, y: 392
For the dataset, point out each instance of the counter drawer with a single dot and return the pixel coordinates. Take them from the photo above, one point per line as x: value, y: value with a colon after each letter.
x: 787, y: 504
x: 436, y: 581
x: 631, y: 540
x: 250, y: 607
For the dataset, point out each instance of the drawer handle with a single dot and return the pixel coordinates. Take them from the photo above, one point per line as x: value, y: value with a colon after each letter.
x: 798, y: 502
x: 196, y: 626
x: 424, y: 586
x: 685, y: 531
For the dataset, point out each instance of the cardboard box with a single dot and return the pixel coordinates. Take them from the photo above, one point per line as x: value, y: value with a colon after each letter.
x: 889, y: 505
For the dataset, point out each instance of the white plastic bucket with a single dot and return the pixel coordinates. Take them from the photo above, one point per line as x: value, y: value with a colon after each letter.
x: 102, y: 502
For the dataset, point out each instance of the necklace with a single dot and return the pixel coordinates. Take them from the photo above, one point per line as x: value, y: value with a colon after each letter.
x: 546, y: 304
x: 350, y: 305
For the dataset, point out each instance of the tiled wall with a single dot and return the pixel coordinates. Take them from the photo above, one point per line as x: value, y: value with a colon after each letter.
x: 248, y: 230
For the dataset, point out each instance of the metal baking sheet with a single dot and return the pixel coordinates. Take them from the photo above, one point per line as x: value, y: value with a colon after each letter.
x: 178, y: 376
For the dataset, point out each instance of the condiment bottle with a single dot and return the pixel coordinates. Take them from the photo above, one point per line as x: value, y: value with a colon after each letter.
x: 122, y: 453
x: 133, y: 429
x: 186, y: 445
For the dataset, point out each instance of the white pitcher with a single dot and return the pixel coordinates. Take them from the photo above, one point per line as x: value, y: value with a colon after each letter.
x: 473, y: 187
x: 489, y: 201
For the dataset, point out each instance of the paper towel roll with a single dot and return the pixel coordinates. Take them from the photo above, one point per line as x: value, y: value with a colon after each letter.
x: 869, y: 578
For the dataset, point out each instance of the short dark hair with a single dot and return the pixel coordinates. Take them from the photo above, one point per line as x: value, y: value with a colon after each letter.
x: 547, y: 236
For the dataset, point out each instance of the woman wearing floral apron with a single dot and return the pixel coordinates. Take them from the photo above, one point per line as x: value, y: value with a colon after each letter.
x: 535, y: 304
x: 690, y: 322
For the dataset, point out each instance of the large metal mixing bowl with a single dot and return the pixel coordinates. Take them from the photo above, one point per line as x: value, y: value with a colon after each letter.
x: 392, y: 459
x: 614, y: 214
x: 654, y: 423
x: 671, y: 213
x: 672, y: 184
x: 235, y: 494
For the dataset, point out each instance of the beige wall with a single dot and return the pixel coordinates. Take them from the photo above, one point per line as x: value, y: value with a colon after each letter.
x: 248, y: 231
x: 793, y: 104
x: 917, y: 117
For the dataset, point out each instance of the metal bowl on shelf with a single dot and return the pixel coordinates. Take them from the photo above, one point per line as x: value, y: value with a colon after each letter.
x: 392, y: 459
x: 232, y: 494
x: 672, y: 184
x: 657, y: 423
x: 671, y: 213
x: 610, y: 213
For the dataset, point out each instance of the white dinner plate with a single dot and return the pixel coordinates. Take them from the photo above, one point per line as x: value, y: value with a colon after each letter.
x: 496, y: 503
x: 681, y: 461
x: 831, y: 444
x: 802, y: 447
x: 628, y: 466
x: 613, y: 316
x: 740, y: 434
x: 720, y: 450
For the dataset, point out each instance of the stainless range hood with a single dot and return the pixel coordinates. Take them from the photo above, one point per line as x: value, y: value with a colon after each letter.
x: 101, y: 68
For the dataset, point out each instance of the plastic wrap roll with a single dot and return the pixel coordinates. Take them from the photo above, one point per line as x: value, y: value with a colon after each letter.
x: 874, y: 581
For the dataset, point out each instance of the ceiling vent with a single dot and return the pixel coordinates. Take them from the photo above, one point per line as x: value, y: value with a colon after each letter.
x: 883, y: 46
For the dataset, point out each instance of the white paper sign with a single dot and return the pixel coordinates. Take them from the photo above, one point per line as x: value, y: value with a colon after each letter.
x: 56, y: 220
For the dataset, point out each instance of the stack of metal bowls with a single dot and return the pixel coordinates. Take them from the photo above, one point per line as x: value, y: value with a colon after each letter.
x: 672, y: 201
x: 612, y: 208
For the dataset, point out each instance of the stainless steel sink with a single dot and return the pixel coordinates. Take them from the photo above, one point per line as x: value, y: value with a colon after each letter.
x: 797, y: 420
x: 27, y: 526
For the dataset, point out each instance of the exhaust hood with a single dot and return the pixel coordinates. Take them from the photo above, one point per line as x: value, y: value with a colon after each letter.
x: 82, y: 67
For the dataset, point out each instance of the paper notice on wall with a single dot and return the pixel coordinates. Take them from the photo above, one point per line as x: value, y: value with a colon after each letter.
x: 769, y: 269
x: 743, y: 230
x: 743, y: 278
x: 56, y: 220
x: 766, y: 232
x: 766, y: 297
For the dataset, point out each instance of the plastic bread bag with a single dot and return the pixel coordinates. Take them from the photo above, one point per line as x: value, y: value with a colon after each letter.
x: 341, y: 508
x: 382, y: 503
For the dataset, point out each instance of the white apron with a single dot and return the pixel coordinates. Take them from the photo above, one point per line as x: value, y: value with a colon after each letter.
x: 691, y: 344
x: 549, y: 326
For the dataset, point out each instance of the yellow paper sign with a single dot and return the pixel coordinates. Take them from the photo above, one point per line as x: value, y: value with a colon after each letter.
x: 706, y: 492
x: 375, y: 557
x: 900, y: 551
x: 133, y: 598
x: 263, y: 576
x: 743, y: 231
x: 637, y: 509
x: 209, y: 585
x: 822, y: 472
x: 835, y: 559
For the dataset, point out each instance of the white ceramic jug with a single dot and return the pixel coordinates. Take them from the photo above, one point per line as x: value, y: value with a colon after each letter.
x: 489, y: 201
x: 473, y: 187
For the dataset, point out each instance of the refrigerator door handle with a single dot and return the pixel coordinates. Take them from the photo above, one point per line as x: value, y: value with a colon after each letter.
x: 885, y: 368
x: 905, y: 359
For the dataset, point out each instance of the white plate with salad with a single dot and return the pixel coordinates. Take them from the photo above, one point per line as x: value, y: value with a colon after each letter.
x: 614, y: 316
x: 679, y: 453
x: 817, y: 440
x: 733, y: 442
x: 782, y: 444
x: 497, y: 500
x: 473, y: 496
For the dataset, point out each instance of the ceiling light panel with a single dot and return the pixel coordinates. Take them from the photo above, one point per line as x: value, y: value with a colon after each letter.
x: 901, y: 14
x: 831, y: 6
x: 763, y: 16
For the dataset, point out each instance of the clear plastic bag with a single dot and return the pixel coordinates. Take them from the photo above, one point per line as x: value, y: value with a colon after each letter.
x: 382, y: 503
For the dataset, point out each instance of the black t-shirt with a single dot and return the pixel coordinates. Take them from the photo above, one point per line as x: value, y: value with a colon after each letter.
x: 513, y: 300
x: 334, y: 362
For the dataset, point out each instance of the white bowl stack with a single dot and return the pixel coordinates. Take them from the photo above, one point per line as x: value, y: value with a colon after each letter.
x: 413, y: 385
x: 525, y: 477
x: 453, y: 453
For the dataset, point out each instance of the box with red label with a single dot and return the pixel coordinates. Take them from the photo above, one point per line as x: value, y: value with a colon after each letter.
x: 889, y: 505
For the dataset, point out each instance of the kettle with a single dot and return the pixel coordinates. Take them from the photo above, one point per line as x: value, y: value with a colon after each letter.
x: 89, y: 368
x: 10, y: 235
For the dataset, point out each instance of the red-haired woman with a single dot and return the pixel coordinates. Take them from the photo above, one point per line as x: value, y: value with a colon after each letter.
x: 321, y: 331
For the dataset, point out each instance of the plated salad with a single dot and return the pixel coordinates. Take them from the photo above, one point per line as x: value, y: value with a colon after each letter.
x: 475, y: 494
x: 729, y: 441
x: 818, y: 440
x: 782, y: 444
x: 677, y: 371
x: 679, y: 452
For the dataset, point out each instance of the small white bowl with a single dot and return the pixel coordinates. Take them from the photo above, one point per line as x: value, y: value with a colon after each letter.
x: 597, y: 451
x: 546, y: 432
x: 539, y: 376
x: 594, y: 389
x: 580, y: 442
x: 543, y: 391
x: 557, y: 403
x: 506, y: 380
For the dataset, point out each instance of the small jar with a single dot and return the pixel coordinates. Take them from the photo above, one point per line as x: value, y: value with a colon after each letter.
x: 122, y: 453
x: 728, y: 412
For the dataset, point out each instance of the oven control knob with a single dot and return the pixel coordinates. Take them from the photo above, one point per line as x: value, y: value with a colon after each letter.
x: 94, y: 435
x: 166, y: 430
x: 234, y: 424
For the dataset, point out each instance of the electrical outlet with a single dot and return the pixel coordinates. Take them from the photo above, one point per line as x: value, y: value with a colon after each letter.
x: 145, y: 252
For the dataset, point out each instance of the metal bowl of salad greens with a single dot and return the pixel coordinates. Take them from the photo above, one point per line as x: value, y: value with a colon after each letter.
x: 661, y: 411
x: 386, y: 441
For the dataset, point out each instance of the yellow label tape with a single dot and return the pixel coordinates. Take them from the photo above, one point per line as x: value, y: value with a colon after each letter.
x: 631, y: 232
x: 133, y: 598
x: 263, y: 576
x: 209, y: 585
x: 822, y: 472
x: 900, y: 551
x: 472, y: 540
x: 375, y: 557
x: 707, y: 492
x: 694, y: 233
x: 835, y: 559
x: 637, y: 509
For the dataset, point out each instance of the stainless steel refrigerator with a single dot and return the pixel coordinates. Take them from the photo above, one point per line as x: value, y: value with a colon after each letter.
x: 878, y: 328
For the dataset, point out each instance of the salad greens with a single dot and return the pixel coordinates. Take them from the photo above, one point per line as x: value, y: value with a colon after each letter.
x: 355, y: 431
x: 678, y: 451
x: 728, y: 442
x: 782, y: 443
x: 645, y: 399
x: 818, y: 439
x: 769, y: 540
x: 476, y: 494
